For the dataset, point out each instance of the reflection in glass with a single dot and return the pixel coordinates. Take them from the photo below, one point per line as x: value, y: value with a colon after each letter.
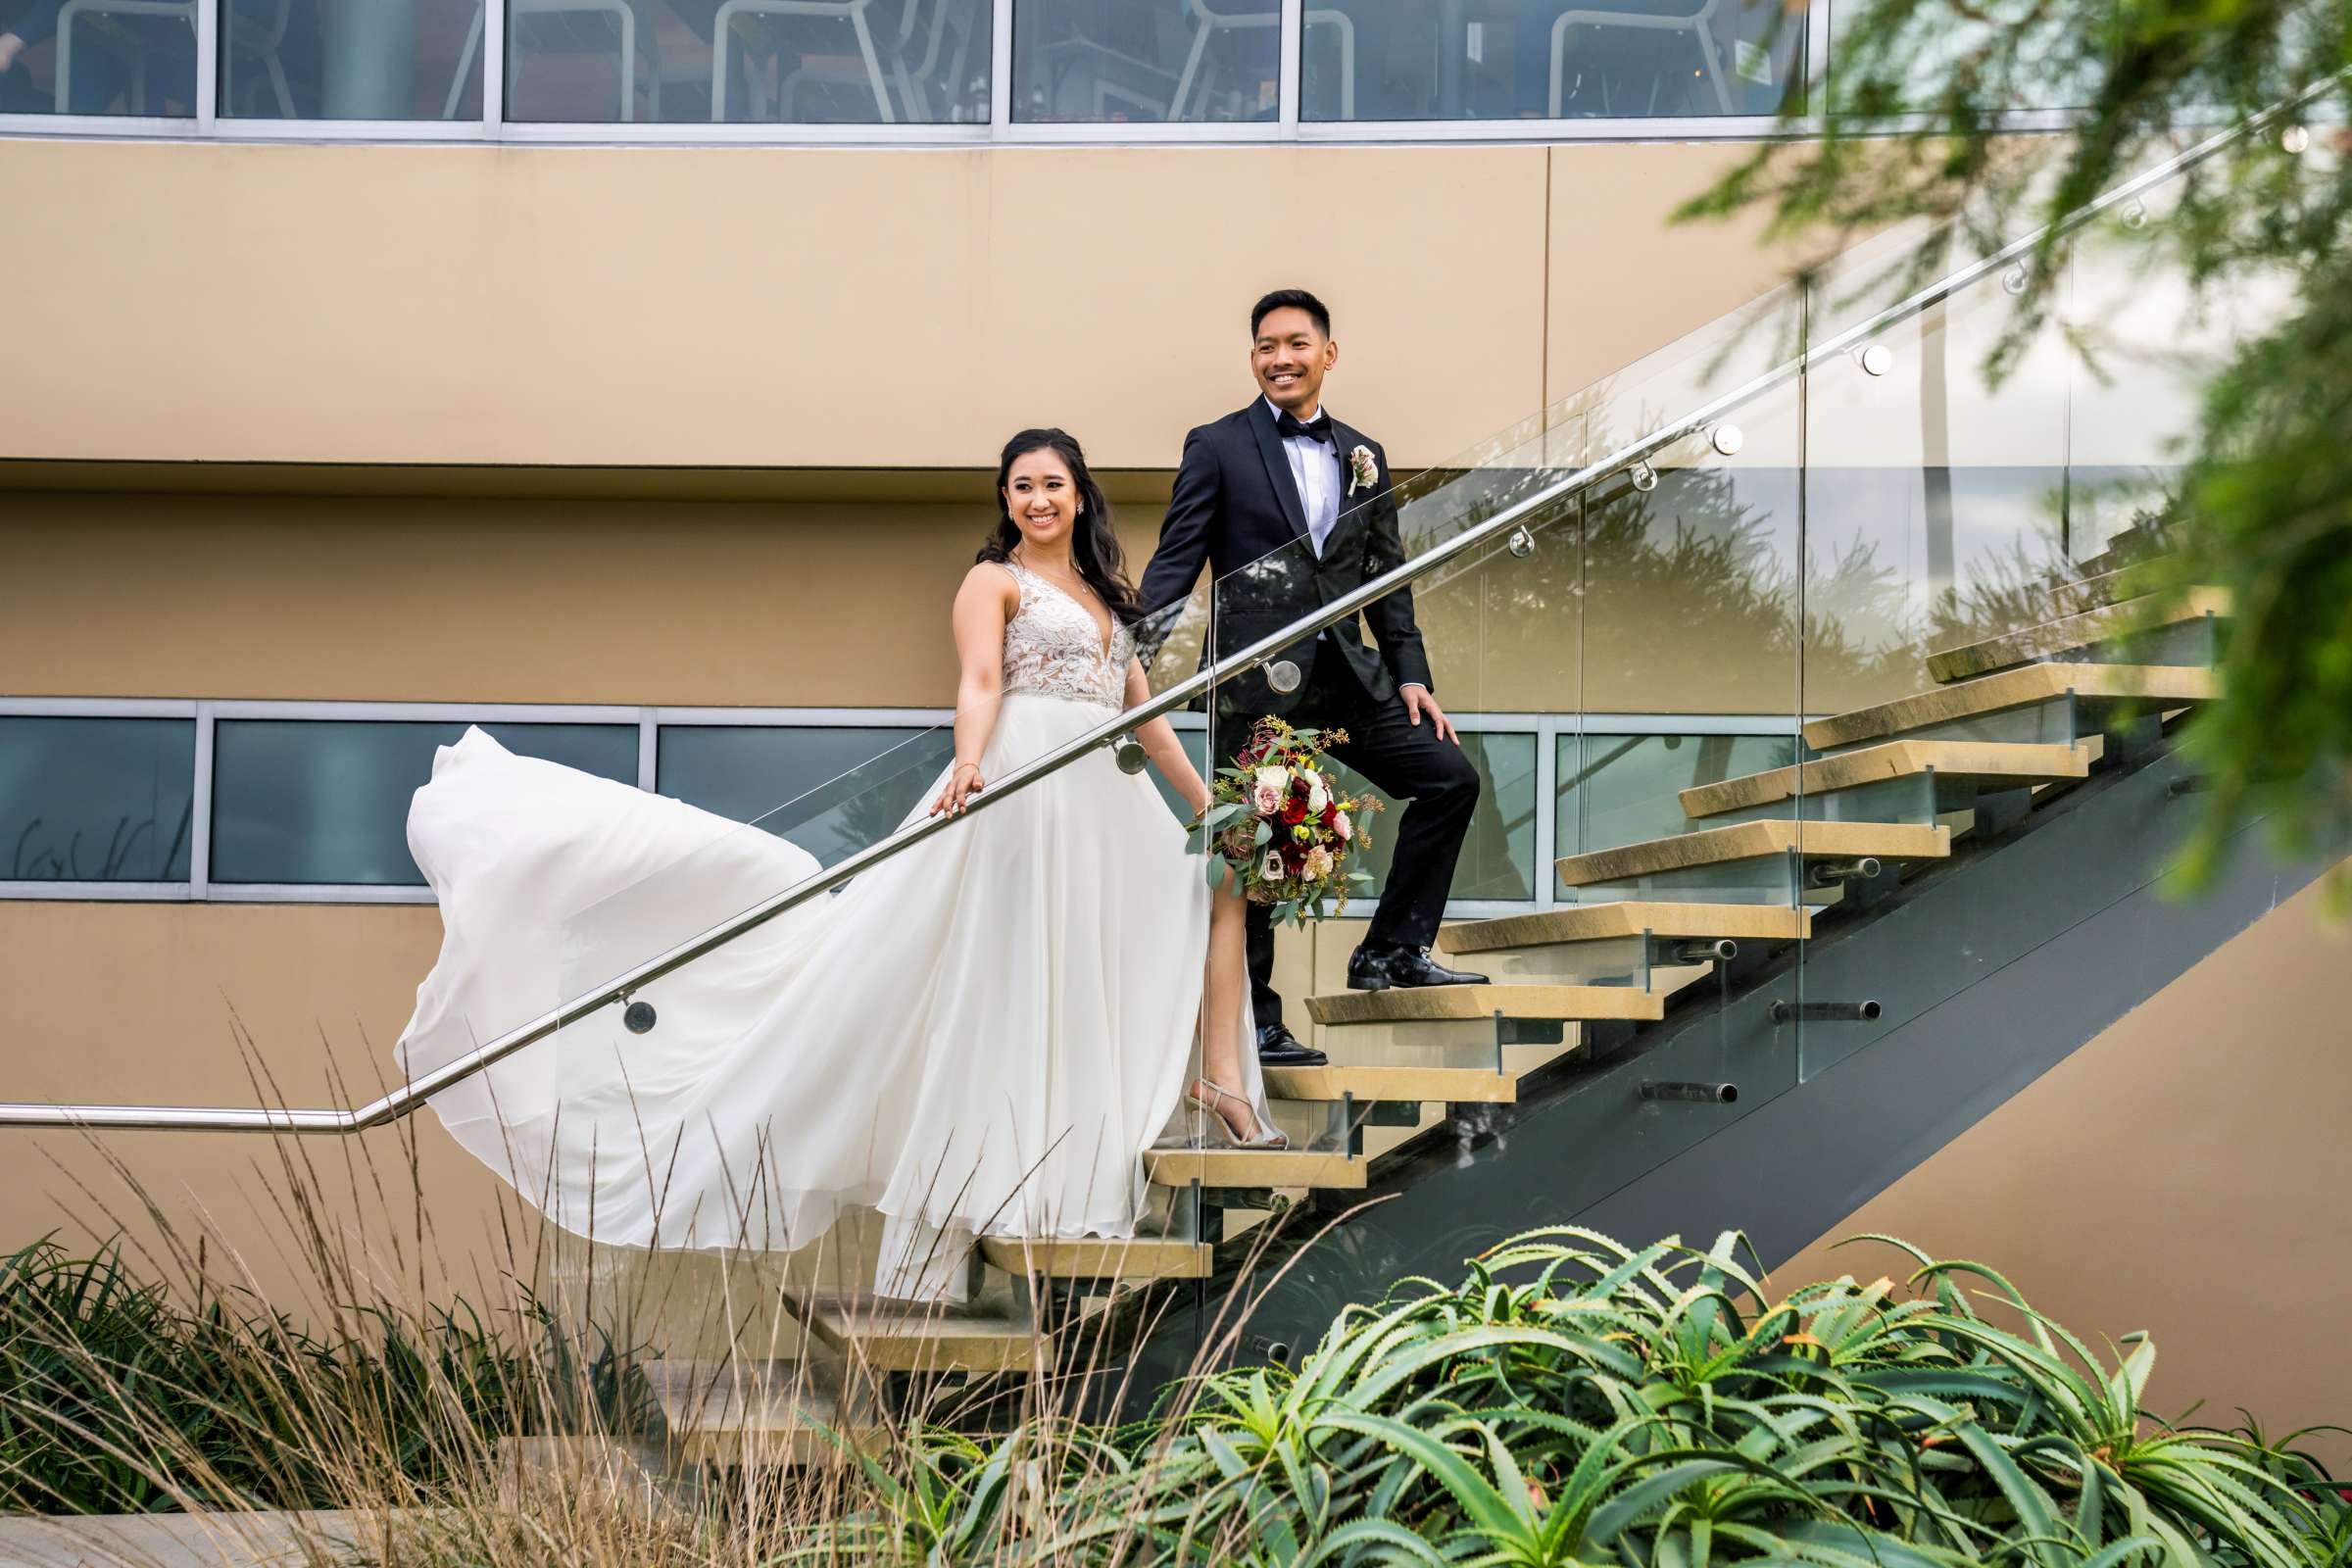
x: 325, y: 802
x: 1498, y: 855
x: 96, y: 800
x: 351, y: 60
x: 772, y: 62
x: 1626, y: 789
x: 833, y: 791
x: 1551, y: 59
x: 99, y: 57
x: 1148, y: 59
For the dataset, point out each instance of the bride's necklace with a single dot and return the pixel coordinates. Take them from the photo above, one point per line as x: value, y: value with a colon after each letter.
x: 1074, y: 586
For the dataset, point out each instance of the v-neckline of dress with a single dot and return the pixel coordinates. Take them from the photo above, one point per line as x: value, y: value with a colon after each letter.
x: 1109, y: 637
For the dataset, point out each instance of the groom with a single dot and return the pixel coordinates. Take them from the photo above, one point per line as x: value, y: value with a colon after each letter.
x: 1303, y: 501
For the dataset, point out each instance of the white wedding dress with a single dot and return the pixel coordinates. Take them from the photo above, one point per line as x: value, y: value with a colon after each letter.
x: 979, y: 1036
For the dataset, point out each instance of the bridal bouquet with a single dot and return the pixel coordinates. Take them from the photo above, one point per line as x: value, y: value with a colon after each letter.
x: 1278, y: 822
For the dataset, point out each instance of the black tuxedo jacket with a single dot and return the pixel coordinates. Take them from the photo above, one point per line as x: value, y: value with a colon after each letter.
x: 1235, y: 506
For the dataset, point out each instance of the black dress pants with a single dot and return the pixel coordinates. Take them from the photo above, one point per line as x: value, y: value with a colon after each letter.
x: 1402, y: 760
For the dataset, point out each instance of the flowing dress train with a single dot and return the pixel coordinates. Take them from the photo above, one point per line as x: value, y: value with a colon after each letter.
x: 979, y: 1036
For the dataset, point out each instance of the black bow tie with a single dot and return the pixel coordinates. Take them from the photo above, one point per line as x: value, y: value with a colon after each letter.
x: 1317, y: 428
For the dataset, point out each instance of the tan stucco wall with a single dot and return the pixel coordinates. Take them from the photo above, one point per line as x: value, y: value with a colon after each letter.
x: 2183, y: 1174
x: 805, y: 306
x: 808, y: 602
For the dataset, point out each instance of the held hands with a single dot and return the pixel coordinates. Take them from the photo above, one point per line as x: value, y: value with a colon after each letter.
x: 1418, y: 702
x: 963, y: 785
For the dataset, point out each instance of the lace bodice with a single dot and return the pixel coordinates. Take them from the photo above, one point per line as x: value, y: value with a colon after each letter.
x: 1053, y: 646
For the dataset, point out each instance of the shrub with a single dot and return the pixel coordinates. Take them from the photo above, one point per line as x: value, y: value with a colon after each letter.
x: 114, y: 1401
x: 1575, y: 1401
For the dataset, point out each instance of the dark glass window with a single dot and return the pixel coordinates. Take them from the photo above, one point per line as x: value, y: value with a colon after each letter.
x: 1549, y: 58
x: 1150, y: 61
x: 769, y: 62
x: 97, y: 800
x: 833, y: 790
x: 1498, y: 855
x: 325, y: 802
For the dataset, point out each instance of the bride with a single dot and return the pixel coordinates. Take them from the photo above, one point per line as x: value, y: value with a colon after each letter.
x: 979, y: 1036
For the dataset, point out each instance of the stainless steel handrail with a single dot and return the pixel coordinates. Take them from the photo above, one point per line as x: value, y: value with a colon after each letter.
x: 407, y: 1098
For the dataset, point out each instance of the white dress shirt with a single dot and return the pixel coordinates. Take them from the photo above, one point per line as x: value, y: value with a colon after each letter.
x: 1315, y: 470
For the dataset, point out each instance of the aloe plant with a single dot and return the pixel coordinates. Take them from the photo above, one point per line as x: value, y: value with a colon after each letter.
x: 1574, y: 1400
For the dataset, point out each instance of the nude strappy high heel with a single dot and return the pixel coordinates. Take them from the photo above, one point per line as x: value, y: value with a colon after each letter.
x: 1222, y: 1128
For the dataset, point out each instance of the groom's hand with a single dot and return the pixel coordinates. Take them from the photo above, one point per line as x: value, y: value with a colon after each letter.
x: 1418, y: 702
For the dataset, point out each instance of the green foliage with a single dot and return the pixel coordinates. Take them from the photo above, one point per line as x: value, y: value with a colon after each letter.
x: 115, y: 1400
x: 1575, y: 1401
x: 1910, y: 128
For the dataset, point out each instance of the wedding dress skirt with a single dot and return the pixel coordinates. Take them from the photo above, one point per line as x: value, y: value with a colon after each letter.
x: 979, y: 1036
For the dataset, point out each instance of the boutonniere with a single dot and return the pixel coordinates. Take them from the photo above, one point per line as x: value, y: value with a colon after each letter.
x: 1362, y: 471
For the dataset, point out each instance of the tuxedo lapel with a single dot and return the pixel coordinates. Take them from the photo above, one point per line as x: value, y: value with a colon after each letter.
x: 1278, y: 467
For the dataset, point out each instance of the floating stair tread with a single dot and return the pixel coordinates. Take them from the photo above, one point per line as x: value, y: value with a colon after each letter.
x: 1990, y: 761
x: 1146, y: 1257
x: 771, y: 1414
x: 2082, y: 629
x: 2013, y: 688
x: 1453, y: 1004
x: 1459, y: 1085
x: 1254, y: 1167
x: 1629, y: 917
x: 2109, y: 581
x: 1746, y: 841
x: 895, y: 1338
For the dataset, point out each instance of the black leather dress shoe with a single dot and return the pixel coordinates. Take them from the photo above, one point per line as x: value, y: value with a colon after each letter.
x: 1277, y: 1047
x: 1371, y: 968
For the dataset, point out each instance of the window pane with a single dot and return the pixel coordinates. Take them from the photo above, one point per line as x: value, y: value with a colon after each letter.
x: 326, y: 800
x: 831, y: 790
x: 1549, y: 58
x: 1498, y: 857
x: 776, y: 62
x: 101, y: 57
x: 1145, y: 60
x: 1626, y: 789
x: 97, y: 800
x: 352, y: 58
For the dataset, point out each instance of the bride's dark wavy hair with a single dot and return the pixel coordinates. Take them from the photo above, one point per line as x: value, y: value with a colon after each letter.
x: 1093, y: 547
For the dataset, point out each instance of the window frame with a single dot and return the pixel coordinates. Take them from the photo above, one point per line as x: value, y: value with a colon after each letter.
x: 492, y: 126
x: 1546, y: 730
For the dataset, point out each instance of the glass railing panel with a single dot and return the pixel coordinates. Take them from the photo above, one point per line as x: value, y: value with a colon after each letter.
x: 1617, y: 789
x: 1692, y: 607
x: 769, y: 62
x: 1935, y: 508
x: 1364, y: 60
x: 2145, y: 344
x: 1493, y: 632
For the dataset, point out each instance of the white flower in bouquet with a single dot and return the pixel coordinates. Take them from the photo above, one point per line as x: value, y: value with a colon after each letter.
x: 1271, y: 869
x: 1318, y: 862
x: 1318, y: 794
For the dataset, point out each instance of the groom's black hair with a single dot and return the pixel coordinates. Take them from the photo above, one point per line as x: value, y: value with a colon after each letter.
x: 1290, y: 299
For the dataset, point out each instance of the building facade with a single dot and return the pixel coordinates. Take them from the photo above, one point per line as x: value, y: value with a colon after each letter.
x: 628, y: 375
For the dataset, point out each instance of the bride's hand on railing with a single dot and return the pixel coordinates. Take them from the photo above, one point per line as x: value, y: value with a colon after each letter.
x: 963, y: 785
